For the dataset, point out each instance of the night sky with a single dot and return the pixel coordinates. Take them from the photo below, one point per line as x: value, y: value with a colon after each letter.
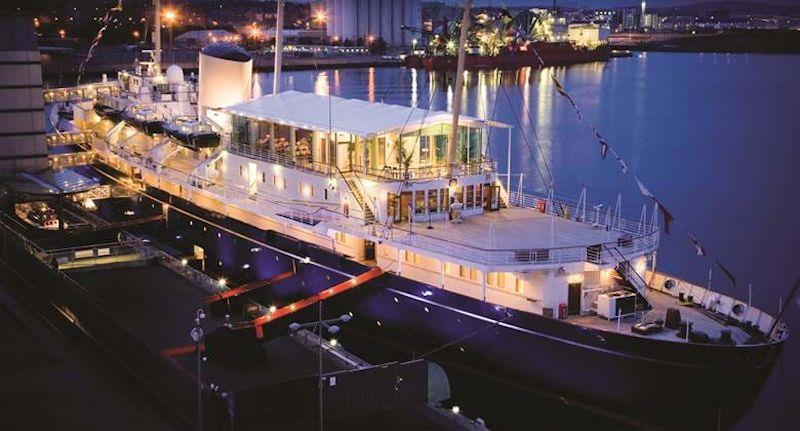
x: 604, y: 3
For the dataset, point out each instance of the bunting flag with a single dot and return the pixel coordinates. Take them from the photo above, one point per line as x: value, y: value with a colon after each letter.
x: 605, y: 148
x: 727, y: 273
x: 622, y: 165
x: 699, y: 249
x: 667, y: 216
x: 566, y: 95
x: 644, y: 189
x: 603, y: 143
x: 664, y: 212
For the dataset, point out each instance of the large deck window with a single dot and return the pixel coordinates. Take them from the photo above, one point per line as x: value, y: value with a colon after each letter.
x: 415, y: 154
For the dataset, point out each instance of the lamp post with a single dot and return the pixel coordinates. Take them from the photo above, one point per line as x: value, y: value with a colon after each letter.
x: 197, y: 336
x: 330, y: 326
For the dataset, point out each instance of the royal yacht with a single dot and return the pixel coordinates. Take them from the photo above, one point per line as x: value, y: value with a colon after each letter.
x: 415, y: 192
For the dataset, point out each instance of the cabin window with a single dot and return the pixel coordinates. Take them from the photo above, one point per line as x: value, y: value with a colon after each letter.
x: 463, y: 271
x: 470, y: 198
x: 341, y: 237
x: 491, y: 278
x: 501, y: 280
x: 410, y: 257
x: 326, y: 194
x: 444, y: 200
x: 441, y: 148
x: 520, y: 287
x: 474, y: 144
x: 432, y: 201
x: 241, y: 170
x: 264, y: 177
x: 381, y: 162
x: 419, y: 202
x: 424, y: 150
x: 473, y: 274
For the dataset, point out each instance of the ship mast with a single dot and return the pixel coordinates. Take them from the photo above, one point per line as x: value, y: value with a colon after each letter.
x: 276, y: 83
x: 157, y: 36
x: 452, y: 144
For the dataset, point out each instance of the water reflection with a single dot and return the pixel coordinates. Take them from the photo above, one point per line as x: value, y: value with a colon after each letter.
x: 321, y: 86
x: 708, y: 134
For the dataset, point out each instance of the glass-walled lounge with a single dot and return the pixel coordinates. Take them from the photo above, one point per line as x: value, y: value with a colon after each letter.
x: 421, y: 153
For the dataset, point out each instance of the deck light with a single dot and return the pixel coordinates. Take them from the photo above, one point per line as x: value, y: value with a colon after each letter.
x: 221, y: 282
x: 273, y: 308
x: 456, y: 410
x: 334, y: 342
x: 246, y: 266
x: 184, y: 262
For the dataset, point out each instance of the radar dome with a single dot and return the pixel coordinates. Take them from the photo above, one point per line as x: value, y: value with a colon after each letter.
x: 174, y: 74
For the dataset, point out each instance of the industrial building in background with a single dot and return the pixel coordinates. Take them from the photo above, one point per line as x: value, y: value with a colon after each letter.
x: 22, y: 128
x: 373, y: 19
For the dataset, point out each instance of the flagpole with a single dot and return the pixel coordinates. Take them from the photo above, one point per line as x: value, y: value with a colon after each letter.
x: 708, y: 288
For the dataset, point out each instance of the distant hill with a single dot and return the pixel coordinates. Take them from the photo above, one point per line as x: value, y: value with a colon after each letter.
x: 732, y: 7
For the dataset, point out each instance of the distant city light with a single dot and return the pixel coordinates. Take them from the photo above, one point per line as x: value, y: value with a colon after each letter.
x: 62, y: 33
x: 136, y: 34
x: 320, y: 17
x: 170, y: 16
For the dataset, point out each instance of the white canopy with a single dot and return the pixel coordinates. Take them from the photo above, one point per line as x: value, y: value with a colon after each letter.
x: 358, y: 117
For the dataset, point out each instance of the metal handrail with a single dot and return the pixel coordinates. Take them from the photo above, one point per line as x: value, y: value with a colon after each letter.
x: 288, y: 161
x: 388, y: 173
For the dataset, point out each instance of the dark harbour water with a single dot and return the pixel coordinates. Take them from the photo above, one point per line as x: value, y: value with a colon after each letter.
x: 716, y: 137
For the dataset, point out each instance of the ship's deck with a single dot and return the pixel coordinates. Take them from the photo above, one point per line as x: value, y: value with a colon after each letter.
x: 660, y: 302
x: 516, y: 228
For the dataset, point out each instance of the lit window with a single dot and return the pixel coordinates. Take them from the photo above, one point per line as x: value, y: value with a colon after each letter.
x: 491, y: 278
x: 520, y: 288
x: 341, y: 237
x: 473, y: 274
x: 501, y: 280
x: 462, y: 271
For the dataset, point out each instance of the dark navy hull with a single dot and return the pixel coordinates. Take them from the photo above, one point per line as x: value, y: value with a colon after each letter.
x: 649, y: 382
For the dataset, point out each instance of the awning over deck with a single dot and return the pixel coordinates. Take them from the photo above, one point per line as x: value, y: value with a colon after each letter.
x: 358, y: 117
x: 52, y: 182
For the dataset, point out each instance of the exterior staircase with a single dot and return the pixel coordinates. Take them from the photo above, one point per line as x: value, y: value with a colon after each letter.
x: 629, y: 276
x: 354, y: 184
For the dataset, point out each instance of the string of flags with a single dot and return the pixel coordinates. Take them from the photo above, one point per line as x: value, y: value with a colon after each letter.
x: 606, y: 148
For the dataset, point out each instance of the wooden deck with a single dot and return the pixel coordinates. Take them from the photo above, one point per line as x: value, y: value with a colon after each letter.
x: 516, y: 228
x: 660, y: 302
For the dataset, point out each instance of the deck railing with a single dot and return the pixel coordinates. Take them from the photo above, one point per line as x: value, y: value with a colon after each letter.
x: 638, y: 238
x: 301, y: 163
x: 389, y: 173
